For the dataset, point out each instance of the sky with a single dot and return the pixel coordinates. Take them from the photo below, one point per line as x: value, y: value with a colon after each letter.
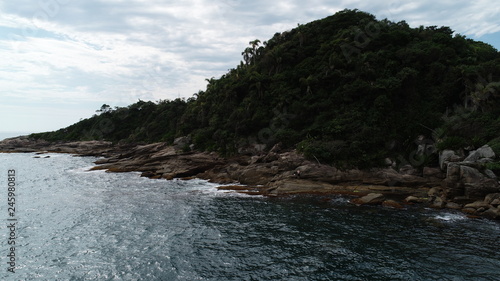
x: 60, y: 60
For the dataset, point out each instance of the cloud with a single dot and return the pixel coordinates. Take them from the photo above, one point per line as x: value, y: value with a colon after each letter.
x: 116, y: 52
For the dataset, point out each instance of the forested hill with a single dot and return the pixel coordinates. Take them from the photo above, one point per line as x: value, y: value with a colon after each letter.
x: 349, y: 90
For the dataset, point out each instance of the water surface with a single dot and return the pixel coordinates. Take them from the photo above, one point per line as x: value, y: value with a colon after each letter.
x: 78, y: 225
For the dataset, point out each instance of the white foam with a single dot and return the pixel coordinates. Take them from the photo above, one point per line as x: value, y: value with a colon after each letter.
x: 450, y: 217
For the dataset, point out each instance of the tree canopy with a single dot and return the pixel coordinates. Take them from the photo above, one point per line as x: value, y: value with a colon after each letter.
x: 339, y: 89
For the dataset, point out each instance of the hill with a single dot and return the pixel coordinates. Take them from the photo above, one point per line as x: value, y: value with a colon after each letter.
x: 347, y: 90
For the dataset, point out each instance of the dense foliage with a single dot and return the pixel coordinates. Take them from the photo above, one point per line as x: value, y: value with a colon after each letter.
x: 339, y: 89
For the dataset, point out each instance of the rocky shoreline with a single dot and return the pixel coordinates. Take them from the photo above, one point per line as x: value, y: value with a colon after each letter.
x: 460, y: 182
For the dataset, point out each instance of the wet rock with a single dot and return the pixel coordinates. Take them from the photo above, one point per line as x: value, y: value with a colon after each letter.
x: 435, y: 191
x: 492, y: 213
x: 296, y: 186
x: 438, y: 203
x: 392, y: 204
x: 453, y: 205
x: 492, y: 198
x: 370, y: 199
x: 414, y: 199
x: 477, y: 205
x: 470, y: 211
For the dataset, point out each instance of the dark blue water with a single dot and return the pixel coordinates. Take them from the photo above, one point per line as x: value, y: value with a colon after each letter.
x: 77, y: 225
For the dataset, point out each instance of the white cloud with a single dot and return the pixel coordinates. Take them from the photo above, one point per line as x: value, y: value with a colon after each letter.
x: 115, y: 52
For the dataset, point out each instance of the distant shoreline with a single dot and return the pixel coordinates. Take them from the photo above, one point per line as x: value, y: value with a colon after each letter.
x: 12, y: 134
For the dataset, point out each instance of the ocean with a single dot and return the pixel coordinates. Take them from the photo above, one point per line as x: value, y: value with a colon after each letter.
x: 67, y: 223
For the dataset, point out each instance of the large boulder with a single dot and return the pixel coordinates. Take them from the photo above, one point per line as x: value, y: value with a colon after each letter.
x: 370, y: 199
x: 447, y: 156
x: 492, y: 213
x: 483, y: 152
x: 490, y: 198
x: 465, y: 179
x: 182, y: 143
x: 476, y: 184
x: 415, y: 199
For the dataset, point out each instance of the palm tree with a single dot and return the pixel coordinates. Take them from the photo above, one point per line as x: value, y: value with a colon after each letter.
x: 250, y: 52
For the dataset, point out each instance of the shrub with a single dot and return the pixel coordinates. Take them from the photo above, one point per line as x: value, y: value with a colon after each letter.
x: 495, y: 145
x: 452, y: 142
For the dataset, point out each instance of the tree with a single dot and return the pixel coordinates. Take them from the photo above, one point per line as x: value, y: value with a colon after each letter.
x: 104, y: 109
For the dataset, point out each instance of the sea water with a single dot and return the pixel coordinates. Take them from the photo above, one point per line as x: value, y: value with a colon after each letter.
x: 72, y: 224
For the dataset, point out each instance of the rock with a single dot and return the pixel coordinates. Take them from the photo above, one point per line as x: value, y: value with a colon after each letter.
x: 447, y: 156
x: 409, y: 170
x: 477, y: 205
x: 270, y: 157
x: 322, y: 173
x: 24, y: 144
x: 483, y: 152
x: 297, y: 186
x: 438, y: 203
x: 492, y: 213
x: 181, y: 143
x: 495, y: 203
x: 435, y: 192
x: 453, y: 205
x: 392, y: 204
x: 471, y: 211
x: 370, y: 199
x: 463, y: 179
x: 432, y: 172
x: 453, y: 172
x: 253, y: 149
x: 388, y: 161
x: 490, y: 198
x: 256, y: 175
x: 276, y: 148
x: 490, y: 174
x: 414, y: 199
x: 391, y: 177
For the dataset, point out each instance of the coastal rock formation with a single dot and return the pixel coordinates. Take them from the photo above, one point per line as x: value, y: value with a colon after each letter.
x: 370, y: 199
x: 85, y: 148
x: 279, y: 173
x: 469, y: 177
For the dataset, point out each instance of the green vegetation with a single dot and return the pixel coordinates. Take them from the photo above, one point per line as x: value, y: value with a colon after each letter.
x: 339, y: 89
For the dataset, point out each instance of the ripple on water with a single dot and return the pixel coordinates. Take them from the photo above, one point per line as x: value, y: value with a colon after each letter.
x: 78, y: 225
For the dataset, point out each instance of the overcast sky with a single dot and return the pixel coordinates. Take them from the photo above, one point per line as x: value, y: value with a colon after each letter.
x: 62, y: 59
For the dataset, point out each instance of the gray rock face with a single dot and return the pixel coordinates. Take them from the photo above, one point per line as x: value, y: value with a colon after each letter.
x: 469, y: 178
x: 482, y: 152
x: 447, y: 156
x: 181, y: 143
